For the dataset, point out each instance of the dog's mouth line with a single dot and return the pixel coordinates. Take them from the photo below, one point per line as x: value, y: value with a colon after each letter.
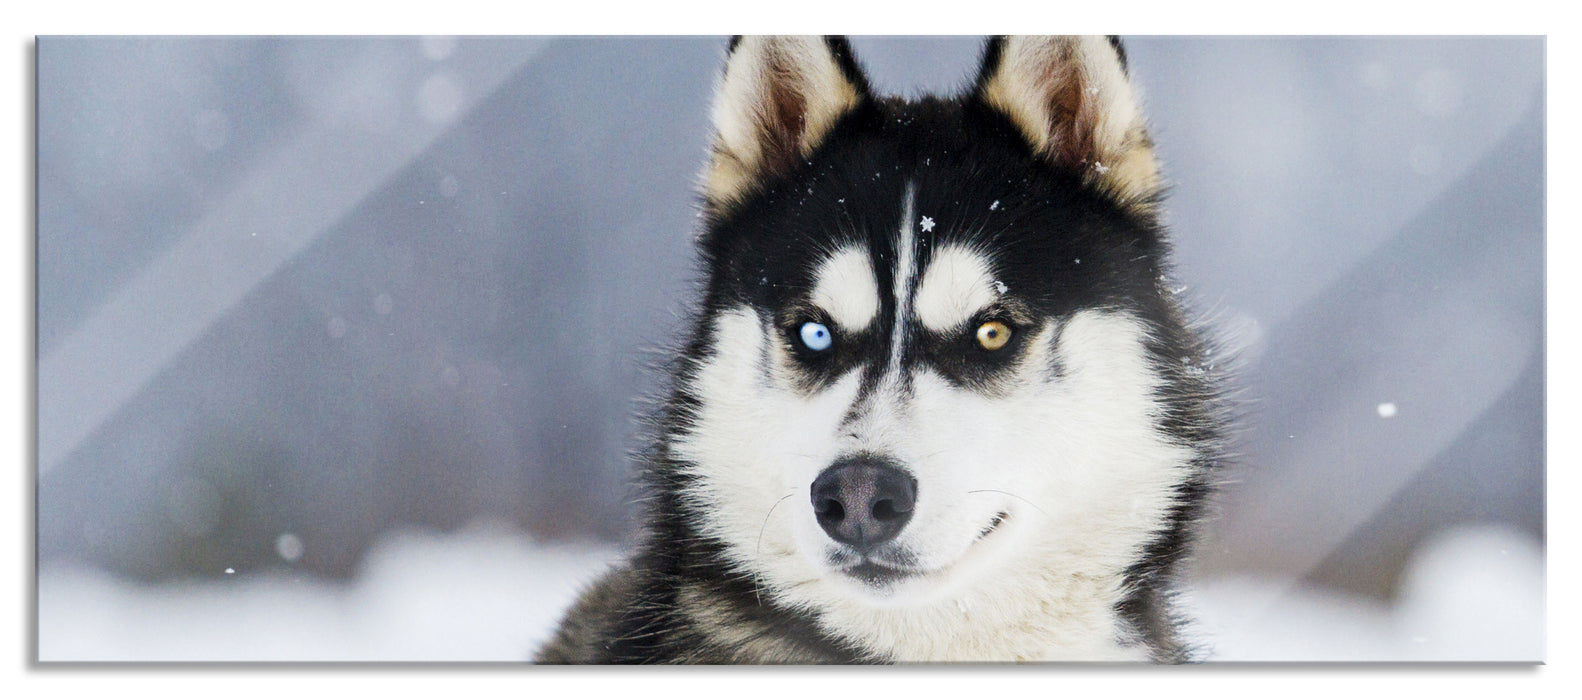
x: 877, y: 572
x: 999, y: 518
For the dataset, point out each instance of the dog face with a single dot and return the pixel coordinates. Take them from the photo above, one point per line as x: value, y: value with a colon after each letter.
x: 932, y: 352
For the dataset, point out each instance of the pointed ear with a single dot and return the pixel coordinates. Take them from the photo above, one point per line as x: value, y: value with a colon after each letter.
x: 1071, y: 98
x: 776, y: 102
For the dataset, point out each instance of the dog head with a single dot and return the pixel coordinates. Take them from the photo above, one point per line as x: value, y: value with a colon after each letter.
x: 935, y: 355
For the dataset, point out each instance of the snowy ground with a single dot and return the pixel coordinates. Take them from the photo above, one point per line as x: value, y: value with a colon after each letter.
x: 1470, y: 594
x: 490, y: 594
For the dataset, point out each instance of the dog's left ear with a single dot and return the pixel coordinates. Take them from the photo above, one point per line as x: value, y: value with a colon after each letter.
x: 1072, y: 100
x: 777, y: 100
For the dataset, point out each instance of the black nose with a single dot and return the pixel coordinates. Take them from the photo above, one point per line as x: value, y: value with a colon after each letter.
x: 863, y: 501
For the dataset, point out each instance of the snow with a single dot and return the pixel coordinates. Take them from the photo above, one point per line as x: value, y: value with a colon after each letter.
x: 437, y: 48
x: 1471, y: 593
x: 1386, y: 410
x: 485, y: 593
x: 289, y: 547
x: 489, y: 593
x: 440, y: 99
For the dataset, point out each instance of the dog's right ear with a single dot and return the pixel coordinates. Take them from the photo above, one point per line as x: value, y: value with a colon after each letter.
x: 776, y: 102
x: 1074, y: 103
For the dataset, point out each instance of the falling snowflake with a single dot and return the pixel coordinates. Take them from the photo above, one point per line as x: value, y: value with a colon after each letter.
x: 289, y: 547
x: 928, y: 224
x: 995, y: 205
x: 1102, y: 168
x: 1000, y: 287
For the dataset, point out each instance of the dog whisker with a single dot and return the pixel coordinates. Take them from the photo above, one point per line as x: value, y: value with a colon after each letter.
x: 760, y: 546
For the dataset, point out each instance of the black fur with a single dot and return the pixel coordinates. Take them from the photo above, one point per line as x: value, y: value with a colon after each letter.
x: 1063, y: 245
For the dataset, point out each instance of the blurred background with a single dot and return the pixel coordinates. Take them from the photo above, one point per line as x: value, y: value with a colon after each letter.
x: 340, y: 340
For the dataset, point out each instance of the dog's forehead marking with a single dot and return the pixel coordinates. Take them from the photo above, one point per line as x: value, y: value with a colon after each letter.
x: 956, y: 285
x: 845, y: 288
x: 905, y: 270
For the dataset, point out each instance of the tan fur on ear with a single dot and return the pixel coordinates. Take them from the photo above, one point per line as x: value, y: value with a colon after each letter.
x: 777, y: 100
x: 1072, y: 100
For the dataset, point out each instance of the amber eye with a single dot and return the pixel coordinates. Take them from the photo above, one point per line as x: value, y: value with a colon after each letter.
x: 994, y: 335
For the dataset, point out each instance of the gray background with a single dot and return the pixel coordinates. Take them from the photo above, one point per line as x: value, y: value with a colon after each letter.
x: 330, y: 286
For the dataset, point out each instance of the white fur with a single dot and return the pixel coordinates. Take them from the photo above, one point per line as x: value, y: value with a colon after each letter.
x: 957, y: 285
x: 1075, y: 461
x: 756, y: 441
x: 1096, y: 479
x: 846, y: 289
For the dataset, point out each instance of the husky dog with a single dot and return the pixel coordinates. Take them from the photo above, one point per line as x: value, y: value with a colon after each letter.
x: 938, y: 403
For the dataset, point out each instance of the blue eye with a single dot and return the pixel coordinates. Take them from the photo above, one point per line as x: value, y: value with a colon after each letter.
x: 815, y: 336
